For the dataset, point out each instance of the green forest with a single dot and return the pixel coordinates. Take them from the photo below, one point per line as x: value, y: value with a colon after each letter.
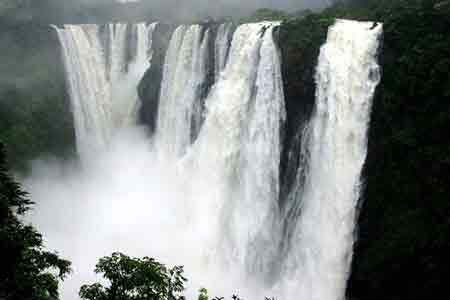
x: 404, y: 224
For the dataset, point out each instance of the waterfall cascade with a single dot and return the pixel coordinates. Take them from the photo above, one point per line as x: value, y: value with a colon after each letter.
x: 184, y: 72
x: 102, y: 76
x: 238, y: 149
x: 211, y: 173
x: 222, y: 46
x: 334, y: 150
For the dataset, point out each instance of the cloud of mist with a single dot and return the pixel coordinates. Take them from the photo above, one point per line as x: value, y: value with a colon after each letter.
x: 86, y: 212
x: 165, y: 10
x: 220, y: 4
x: 124, y: 199
x: 219, y: 8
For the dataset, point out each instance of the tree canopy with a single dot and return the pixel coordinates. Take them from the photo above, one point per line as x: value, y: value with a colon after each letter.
x: 27, y: 270
x: 135, y: 279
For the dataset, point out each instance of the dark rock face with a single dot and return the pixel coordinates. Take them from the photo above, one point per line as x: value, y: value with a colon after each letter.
x: 299, y: 59
x: 150, y: 85
x: 298, y: 68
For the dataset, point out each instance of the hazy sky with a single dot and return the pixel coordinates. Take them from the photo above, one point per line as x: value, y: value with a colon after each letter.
x: 282, y: 4
x: 227, y: 7
x: 285, y: 4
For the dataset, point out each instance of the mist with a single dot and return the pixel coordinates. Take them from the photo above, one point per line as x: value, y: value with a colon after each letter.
x: 207, y: 6
x: 101, y: 11
x: 118, y: 200
x: 221, y: 8
x: 127, y: 199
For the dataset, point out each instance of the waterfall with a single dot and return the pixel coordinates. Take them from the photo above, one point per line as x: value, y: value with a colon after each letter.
x: 204, y: 189
x: 222, y: 46
x: 335, y: 147
x: 184, y: 72
x: 238, y: 151
x: 117, y: 43
x: 102, y: 81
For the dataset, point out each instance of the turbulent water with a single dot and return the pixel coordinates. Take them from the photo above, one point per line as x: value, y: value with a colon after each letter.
x: 203, y: 190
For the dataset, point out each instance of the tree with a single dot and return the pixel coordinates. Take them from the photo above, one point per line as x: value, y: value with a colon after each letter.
x: 27, y: 270
x: 203, y: 294
x: 135, y: 279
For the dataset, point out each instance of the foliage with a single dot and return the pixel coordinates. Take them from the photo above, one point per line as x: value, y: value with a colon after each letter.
x: 34, y: 111
x: 27, y: 270
x: 404, y: 221
x: 265, y: 14
x: 135, y: 279
x: 203, y: 294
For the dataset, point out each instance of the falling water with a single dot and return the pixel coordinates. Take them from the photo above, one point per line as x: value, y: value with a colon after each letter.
x: 117, y: 44
x: 335, y: 147
x: 184, y: 72
x: 222, y: 46
x: 203, y: 191
x: 102, y: 82
x: 238, y: 150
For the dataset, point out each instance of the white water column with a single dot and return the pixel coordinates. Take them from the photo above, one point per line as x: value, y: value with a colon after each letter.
x: 222, y: 46
x: 184, y: 73
x: 102, y: 89
x: 233, y: 167
x: 336, y: 147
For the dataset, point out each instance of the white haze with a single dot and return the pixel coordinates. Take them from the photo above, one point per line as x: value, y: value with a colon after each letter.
x: 212, y: 205
x: 124, y: 200
x: 189, y: 9
x: 250, y: 4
